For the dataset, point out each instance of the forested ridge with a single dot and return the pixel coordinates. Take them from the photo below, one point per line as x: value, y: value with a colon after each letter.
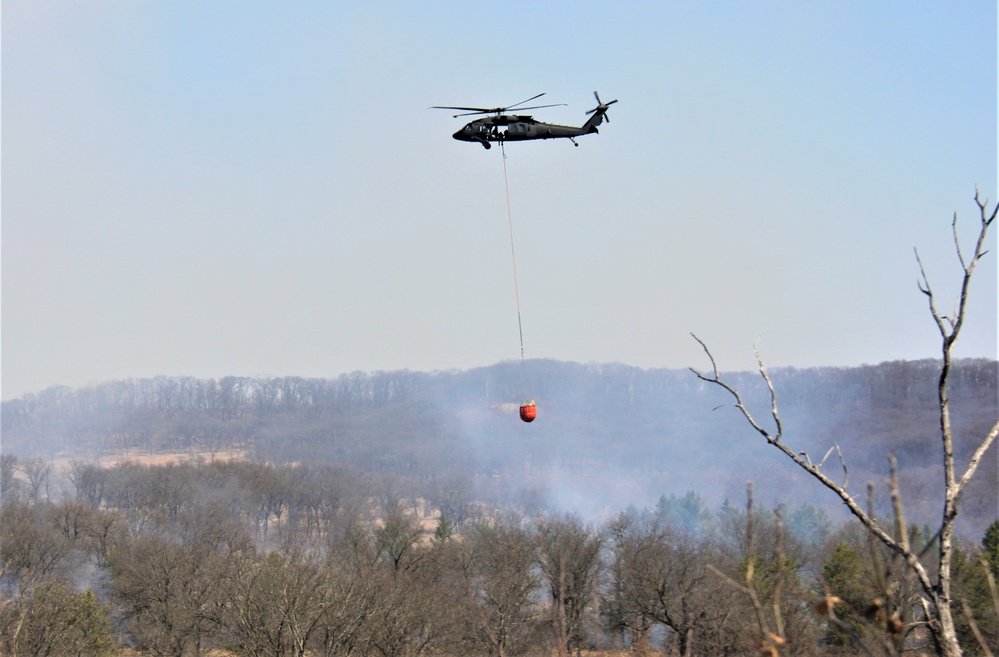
x: 627, y: 432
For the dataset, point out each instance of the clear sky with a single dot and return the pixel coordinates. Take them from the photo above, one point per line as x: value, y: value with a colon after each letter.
x: 259, y: 188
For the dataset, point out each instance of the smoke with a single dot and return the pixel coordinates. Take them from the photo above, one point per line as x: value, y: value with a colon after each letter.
x: 610, y: 437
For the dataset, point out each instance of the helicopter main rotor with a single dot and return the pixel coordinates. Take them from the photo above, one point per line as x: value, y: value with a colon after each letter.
x: 470, y: 111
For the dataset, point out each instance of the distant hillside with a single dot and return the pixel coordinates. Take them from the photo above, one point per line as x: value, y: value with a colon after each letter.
x: 606, y: 435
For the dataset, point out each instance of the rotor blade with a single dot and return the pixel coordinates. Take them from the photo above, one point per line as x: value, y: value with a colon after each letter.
x: 597, y: 96
x: 524, y: 109
x: 470, y: 109
x: 504, y: 110
x: 606, y: 105
x: 485, y: 111
x: 524, y: 101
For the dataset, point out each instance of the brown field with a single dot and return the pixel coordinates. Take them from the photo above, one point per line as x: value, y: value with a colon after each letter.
x: 111, y: 460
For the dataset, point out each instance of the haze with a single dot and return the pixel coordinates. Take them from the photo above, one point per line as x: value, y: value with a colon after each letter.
x: 247, y: 188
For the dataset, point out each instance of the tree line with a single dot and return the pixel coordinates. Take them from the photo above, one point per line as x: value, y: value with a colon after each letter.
x: 262, y: 559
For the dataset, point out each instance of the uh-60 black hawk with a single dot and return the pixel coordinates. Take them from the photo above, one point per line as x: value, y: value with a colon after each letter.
x: 521, y: 127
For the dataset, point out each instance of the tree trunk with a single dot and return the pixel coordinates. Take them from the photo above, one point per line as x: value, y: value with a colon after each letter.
x: 688, y: 641
x: 558, y: 615
x: 945, y: 633
x: 640, y: 642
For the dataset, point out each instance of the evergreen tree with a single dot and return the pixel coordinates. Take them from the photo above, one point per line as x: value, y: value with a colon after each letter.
x: 970, y: 591
x: 843, y: 575
x: 445, y: 529
x: 990, y: 546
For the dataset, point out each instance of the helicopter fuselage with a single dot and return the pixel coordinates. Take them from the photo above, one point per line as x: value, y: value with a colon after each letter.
x: 508, y: 127
x: 499, y: 125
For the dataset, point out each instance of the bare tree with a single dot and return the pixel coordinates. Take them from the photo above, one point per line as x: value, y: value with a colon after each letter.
x: 569, y: 557
x: 934, y: 583
x: 503, y: 583
x: 31, y: 549
x: 165, y: 584
x: 419, y: 608
x: 8, y: 484
x: 660, y: 577
x: 289, y: 595
x: 53, y: 619
x: 37, y: 470
x: 88, y: 478
x: 349, y: 600
x: 398, y: 540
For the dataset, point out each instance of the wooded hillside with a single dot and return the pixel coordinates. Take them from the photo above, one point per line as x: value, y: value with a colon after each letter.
x: 607, y: 435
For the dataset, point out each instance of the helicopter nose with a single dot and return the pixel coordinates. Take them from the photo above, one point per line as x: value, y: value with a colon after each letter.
x: 460, y: 136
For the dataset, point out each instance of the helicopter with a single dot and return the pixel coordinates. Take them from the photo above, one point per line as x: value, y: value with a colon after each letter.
x: 522, y: 127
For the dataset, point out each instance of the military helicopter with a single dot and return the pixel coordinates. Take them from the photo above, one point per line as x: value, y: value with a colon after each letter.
x: 521, y: 127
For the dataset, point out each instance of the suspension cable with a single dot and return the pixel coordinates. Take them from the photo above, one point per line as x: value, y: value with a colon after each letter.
x: 513, y: 252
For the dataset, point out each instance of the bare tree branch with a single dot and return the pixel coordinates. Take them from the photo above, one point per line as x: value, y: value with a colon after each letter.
x: 937, y: 598
x: 977, y: 457
x: 993, y: 592
x: 779, y: 578
x: 773, y: 393
x: 901, y: 527
x: 974, y: 628
x: 769, y: 642
x: 867, y: 520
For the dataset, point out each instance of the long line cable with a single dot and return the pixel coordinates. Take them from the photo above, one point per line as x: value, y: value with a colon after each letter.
x: 513, y: 251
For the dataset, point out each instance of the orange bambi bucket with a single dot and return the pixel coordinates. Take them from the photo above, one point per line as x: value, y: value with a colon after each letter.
x: 528, y: 411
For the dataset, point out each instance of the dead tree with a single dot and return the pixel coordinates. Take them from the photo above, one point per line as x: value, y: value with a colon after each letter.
x: 935, y: 586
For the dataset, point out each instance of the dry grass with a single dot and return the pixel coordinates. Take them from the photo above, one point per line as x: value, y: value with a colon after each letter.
x: 111, y: 460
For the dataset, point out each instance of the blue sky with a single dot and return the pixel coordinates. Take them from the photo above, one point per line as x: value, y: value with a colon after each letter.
x: 250, y: 188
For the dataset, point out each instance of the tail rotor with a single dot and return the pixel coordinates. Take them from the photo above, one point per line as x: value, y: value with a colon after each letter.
x: 601, y: 106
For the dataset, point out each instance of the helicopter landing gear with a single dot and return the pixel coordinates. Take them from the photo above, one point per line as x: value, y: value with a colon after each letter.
x: 573, y: 142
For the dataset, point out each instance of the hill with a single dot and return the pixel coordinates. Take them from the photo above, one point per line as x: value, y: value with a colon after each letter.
x: 607, y: 435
